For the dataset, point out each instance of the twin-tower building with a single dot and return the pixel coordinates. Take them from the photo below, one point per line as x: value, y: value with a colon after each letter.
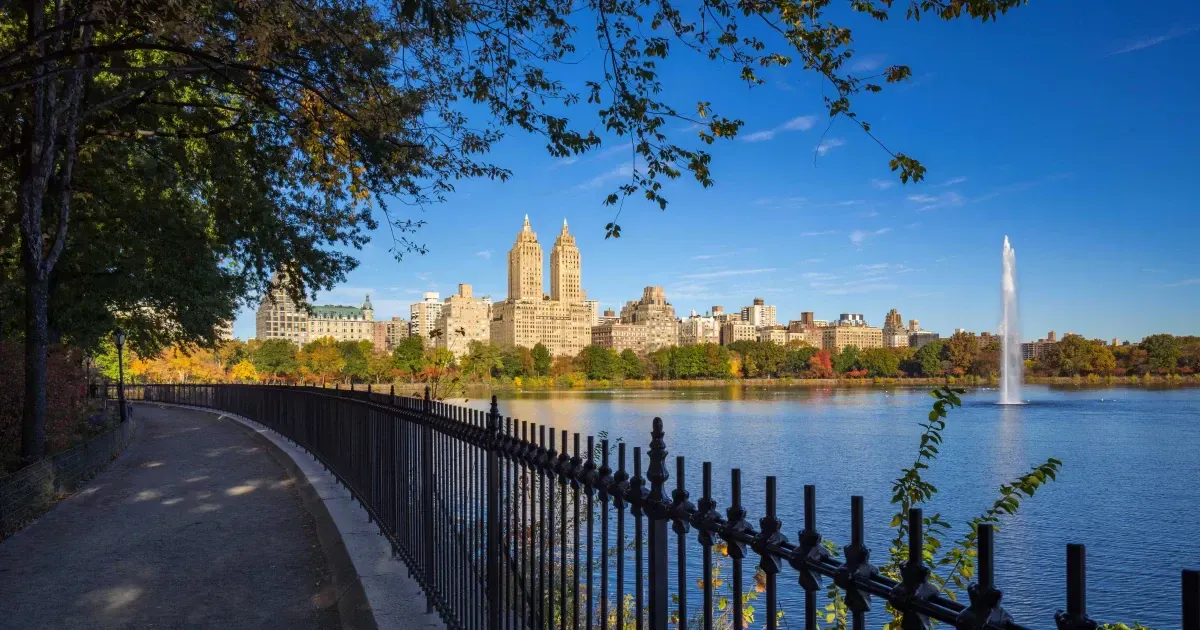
x: 561, y: 320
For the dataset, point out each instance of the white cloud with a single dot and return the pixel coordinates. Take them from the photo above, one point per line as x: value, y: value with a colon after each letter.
x: 818, y: 275
x: 726, y: 273
x: 799, y: 123
x: 621, y: 148
x: 821, y: 233
x: 945, y: 200
x: 813, y: 261
x: 868, y: 62
x: 950, y: 182
x: 760, y: 136
x: 829, y: 145
x: 424, y: 276
x: 567, y: 161
x: 1153, y: 270
x: 1187, y: 282
x: 624, y: 170
x: 1154, y: 41
x: 485, y: 254
x: 857, y: 237
x: 915, y: 224
x: 868, y: 214
x: 873, y: 266
x: 882, y: 184
x: 883, y: 230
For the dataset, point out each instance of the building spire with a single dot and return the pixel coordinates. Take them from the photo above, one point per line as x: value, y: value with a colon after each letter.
x: 564, y: 231
x: 526, y: 227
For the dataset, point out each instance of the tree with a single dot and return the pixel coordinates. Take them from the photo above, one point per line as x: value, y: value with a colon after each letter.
x: 379, y: 366
x: 631, y: 365
x: 276, y: 358
x: 516, y: 361
x: 796, y: 362
x: 323, y: 358
x: 880, y: 362
x: 271, y: 122
x: 355, y: 353
x: 243, y: 372
x: 541, y: 360
x: 846, y: 360
x: 599, y: 363
x: 230, y: 353
x: 482, y: 359
x: 409, y: 355
x: 929, y: 358
x: 961, y: 350
x: 820, y: 365
x: 1162, y: 351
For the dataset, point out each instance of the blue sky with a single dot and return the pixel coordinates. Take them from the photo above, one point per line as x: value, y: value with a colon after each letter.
x: 1073, y: 130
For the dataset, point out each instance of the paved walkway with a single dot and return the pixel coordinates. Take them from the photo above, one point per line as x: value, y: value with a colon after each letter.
x: 196, y: 525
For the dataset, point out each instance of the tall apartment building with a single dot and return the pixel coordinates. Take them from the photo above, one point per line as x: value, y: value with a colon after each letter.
x: 1034, y: 349
x: 698, y: 329
x: 894, y: 333
x: 893, y: 320
x: 852, y: 319
x: 814, y: 336
x: 921, y: 338
x: 562, y: 321
x: 379, y: 337
x: 838, y: 337
x: 719, y: 314
x: 463, y: 319
x: 774, y: 334
x: 759, y: 314
x: 805, y: 322
x: 423, y: 317
x: 278, y: 317
x: 395, y: 330
x: 736, y: 330
x: 645, y: 326
x: 914, y: 325
x: 594, y: 309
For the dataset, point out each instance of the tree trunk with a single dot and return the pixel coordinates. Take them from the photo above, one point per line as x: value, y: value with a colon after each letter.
x: 33, y: 421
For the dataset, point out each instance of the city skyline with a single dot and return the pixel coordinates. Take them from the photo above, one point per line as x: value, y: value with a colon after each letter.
x: 733, y: 305
x: 1096, y: 203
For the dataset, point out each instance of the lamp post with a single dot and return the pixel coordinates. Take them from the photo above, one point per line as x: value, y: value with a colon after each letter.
x: 119, y: 337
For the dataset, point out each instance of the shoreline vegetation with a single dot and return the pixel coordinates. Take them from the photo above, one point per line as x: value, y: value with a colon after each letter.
x: 962, y: 360
x: 539, y: 384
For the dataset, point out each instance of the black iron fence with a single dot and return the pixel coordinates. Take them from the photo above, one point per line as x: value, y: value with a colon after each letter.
x: 507, y: 524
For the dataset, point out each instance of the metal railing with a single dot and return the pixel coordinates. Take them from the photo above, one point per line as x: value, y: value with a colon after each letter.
x: 492, y: 516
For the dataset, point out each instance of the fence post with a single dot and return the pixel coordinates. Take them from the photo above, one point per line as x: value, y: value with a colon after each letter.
x: 1075, y: 617
x: 492, y: 541
x: 427, y: 496
x: 1191, y: 600
x: 657, y: 541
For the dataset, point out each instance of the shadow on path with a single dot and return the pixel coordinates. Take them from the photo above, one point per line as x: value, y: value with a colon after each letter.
x: 196, y: 525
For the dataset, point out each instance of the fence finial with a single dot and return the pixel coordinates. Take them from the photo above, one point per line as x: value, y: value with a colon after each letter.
x: 657, y: 474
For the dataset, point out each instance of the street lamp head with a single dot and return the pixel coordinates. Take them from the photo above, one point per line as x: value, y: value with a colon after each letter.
x: 119, y: 336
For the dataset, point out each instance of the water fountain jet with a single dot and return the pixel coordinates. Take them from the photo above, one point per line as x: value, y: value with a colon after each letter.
x: 1011, y: 363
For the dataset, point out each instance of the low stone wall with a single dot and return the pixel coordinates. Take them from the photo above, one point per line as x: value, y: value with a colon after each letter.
x: 29, y: 492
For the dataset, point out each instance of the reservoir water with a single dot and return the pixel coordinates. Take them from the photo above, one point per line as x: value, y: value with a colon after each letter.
x: 1129, y: 487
